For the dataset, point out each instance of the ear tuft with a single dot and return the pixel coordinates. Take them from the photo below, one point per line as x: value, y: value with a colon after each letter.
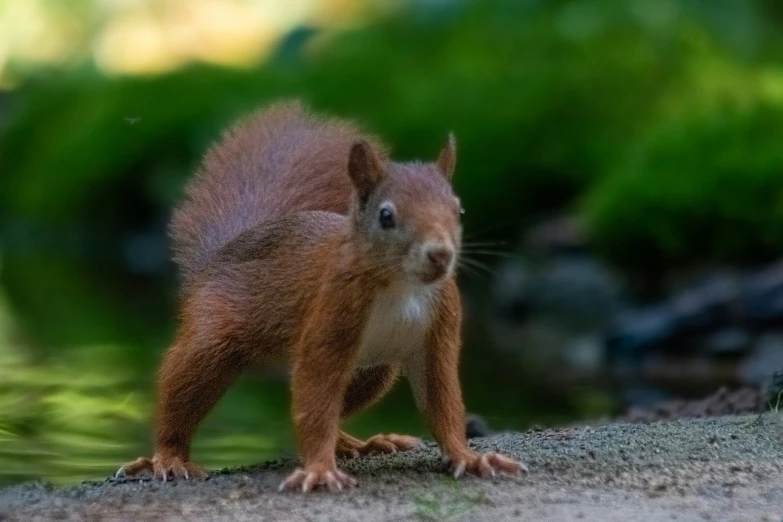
x: 365, y: 169
x: 447, y: 160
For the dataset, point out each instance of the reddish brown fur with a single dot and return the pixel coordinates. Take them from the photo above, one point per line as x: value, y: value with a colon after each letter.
x: 283, y: 262
x: 255, y: 173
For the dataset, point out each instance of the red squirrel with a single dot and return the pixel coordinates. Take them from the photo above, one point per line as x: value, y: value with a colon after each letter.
x: 300, y: 241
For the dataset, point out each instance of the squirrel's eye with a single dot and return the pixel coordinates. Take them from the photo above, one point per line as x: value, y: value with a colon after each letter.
x: 386, y: 218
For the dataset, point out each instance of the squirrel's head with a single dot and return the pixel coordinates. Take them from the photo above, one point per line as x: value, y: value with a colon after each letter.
x: 407, y: 214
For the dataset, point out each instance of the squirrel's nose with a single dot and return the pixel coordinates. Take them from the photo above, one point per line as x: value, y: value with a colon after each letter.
x: 440, y: 257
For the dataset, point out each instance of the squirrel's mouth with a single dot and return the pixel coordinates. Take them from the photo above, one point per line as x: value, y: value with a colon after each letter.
x: 431, y: 275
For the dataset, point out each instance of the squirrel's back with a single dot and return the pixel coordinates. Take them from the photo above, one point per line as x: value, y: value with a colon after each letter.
x: 278, y: 161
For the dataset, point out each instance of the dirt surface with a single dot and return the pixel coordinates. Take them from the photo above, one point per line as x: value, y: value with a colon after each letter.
x: 725, y: 468
x: 722, y: 402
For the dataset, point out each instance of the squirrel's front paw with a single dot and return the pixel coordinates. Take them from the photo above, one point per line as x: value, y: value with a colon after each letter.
x: 163, y: 468
x: 486, y: 465
x: 312, y: 476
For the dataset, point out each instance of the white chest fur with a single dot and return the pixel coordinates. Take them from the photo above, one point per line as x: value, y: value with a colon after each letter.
x: 396, y: 326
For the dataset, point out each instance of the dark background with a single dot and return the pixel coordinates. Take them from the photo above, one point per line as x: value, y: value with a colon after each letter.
x: 612, y: 153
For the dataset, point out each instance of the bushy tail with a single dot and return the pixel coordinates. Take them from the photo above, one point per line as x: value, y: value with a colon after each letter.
x: 278, y: 161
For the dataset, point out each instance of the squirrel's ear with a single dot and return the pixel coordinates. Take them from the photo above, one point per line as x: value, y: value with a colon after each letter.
x: 447, y: 160
x: 365, y: 169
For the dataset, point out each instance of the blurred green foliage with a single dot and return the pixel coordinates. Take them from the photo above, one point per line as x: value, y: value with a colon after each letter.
x: 657, y: 121
x: 546, y: 98
x: 699, y: 189
x: 54, y: 415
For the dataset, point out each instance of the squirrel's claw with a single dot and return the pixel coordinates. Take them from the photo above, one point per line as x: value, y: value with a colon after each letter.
x: 131, y: 469
x: 334, y: 479
x: 163, y: 469
x: 487, y: 465
x: 176, y: 468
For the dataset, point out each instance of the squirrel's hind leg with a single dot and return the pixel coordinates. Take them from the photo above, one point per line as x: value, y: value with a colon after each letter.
x: 191, y: 380
x: 367, y: 386
x: 348, y: 446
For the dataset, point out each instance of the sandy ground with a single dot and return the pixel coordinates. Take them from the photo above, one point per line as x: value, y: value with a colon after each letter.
x: 728, y: 468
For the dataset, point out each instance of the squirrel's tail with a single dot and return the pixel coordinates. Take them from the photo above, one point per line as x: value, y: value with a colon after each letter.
x: 278, y: 161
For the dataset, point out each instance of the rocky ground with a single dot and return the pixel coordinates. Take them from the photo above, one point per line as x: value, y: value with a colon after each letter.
x: 722, y: 402
x: 723, y: 468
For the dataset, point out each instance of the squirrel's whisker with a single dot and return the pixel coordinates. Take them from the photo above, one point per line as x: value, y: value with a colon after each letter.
x: 478, y: 264
x: 490, y: 253
x: 472, y: 272
x: 484, y: 243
